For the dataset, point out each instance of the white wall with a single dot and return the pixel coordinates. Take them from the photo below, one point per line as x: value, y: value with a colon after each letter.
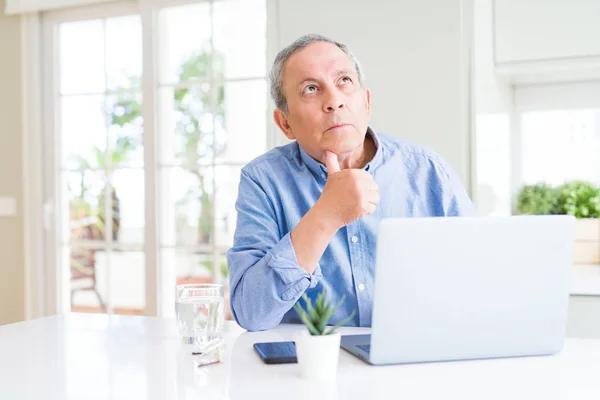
x: 491, y: 120
x: 415, y: 57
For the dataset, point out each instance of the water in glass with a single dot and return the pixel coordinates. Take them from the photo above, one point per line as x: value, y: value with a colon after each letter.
x: 200, y: 318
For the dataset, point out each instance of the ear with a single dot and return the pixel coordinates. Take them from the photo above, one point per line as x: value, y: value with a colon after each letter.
x: 368, y: 94
x: 282, y: 122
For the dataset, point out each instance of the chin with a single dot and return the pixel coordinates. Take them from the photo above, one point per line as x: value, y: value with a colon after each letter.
x: 346, y: 146
x: 342, y: 140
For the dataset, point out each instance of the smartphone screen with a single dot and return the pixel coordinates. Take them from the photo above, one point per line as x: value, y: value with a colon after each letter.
x: 277, y: 352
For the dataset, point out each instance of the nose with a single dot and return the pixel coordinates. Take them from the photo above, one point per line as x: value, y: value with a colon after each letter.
x: 333, y: 101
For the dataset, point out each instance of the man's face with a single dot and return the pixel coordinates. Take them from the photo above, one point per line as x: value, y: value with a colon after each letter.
x: 327, y: 108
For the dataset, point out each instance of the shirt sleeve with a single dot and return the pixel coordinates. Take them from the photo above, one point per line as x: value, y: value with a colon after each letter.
x: 455, y: 200
x: 264, y: 276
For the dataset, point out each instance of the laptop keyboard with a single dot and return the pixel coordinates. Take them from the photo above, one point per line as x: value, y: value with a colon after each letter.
x: 364, y: 347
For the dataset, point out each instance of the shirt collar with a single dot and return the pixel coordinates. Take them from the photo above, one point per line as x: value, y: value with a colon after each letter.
x: 319, y: 169
x: 374, y: 163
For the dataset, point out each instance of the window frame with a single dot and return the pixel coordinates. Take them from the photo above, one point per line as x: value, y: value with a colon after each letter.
x: 545, y: 97
x: 53, y: 287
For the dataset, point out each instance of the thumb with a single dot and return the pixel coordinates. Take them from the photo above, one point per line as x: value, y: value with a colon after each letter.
x: 331, y: 162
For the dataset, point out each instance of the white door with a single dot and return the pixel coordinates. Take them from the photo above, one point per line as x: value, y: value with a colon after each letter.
x: 151, y: 110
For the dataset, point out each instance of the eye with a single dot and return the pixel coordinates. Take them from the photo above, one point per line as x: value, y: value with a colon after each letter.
x: 345, y: 79
x: 309, y: 89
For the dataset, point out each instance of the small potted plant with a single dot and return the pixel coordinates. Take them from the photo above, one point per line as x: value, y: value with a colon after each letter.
x: 318, y: 347
x: 578, y: 198
x: 582, y: 199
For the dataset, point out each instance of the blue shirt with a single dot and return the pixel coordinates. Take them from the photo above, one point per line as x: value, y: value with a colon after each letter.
x: 279, y: 187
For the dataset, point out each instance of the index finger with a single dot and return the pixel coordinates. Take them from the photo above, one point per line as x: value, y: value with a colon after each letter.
x: 331, y: 162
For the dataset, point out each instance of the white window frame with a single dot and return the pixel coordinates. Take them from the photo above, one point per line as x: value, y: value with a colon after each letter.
x: 541, y: 97
x: 46, y: 288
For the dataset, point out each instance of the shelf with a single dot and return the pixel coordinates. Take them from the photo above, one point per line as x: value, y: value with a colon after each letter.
x: 585, y: 280
x: 549, y: 71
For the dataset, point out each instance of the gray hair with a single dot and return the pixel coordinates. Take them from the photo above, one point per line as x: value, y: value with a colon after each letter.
x: 276, y: 76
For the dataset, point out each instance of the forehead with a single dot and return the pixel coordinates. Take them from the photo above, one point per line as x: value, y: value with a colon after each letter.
x: 316, y: 60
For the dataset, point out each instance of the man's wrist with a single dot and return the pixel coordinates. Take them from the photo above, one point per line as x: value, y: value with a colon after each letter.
x: 323, y: 220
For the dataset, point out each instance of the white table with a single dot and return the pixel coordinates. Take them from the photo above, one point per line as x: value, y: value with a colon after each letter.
x: 80, y: 356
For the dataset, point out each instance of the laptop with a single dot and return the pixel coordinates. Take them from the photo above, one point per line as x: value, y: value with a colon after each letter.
x: 465, y: 288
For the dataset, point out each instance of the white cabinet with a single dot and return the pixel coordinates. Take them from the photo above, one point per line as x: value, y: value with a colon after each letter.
x: 544, y: 30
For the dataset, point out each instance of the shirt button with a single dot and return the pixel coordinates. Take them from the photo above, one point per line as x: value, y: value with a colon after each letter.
x: 354, y: 239
x: 361, y: 287
x: 323, y: 176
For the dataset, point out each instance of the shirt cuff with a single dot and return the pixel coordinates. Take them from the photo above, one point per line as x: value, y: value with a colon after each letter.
x: 282, y: 258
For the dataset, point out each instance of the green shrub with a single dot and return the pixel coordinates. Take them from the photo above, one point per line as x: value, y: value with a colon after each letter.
x: 578, y: 198
x: 539, y: 199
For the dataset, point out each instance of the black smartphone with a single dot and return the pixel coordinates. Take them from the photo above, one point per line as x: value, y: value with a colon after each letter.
x: 277, y: 352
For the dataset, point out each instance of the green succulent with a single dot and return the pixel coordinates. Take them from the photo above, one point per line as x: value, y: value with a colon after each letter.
x: 316, y: 318
x: 578, y: 198
x: 539, y: 199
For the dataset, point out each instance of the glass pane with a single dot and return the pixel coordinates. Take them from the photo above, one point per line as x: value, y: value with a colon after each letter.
x: 186, y: 125
x: 240, y: 52
x: 185, y: 45
x: 561, y: 145
x: 126, y: 282
x: 82, y: 57
x: 86, y: 286
x: 188, y: 265
x: 83, y: 131
x: 124, y: 114
x: 82, y: 194
x: 102, y: 281
x: 186, y: 206
x: 124, y: 52
x: 223, y: 270
x: 227, y: 180
x: 242, y: 127
x: 128, y: 212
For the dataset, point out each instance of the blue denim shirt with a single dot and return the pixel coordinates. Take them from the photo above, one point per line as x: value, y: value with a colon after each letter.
x: 275, y: 192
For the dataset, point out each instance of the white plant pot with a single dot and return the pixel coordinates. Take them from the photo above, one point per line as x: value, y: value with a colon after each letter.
x: 317, y: 355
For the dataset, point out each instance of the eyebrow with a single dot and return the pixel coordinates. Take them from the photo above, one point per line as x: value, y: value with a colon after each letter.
x: 343, y: 72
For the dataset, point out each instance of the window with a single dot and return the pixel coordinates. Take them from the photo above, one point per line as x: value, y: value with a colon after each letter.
x: 558, y: 133
x: 143, y: 204
x: 551, y: 135
x: 561, y: 145
x: 212, y: 102
x: 99, y: 163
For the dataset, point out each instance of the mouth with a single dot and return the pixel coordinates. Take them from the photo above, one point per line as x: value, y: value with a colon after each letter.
x: 337, y: 126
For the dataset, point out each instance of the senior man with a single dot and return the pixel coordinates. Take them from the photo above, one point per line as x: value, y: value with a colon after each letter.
x: 308, y: 211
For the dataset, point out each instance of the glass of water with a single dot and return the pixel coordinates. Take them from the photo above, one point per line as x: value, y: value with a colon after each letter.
x: 200, y: 313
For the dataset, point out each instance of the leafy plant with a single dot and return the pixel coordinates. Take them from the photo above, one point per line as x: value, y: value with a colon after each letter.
x: 316, y: 318
x: 578, y: 198
x: 209, y: 265
x: 539, y: 199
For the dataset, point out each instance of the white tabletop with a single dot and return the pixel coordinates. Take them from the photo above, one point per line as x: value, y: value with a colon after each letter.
x: 80, y: 356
